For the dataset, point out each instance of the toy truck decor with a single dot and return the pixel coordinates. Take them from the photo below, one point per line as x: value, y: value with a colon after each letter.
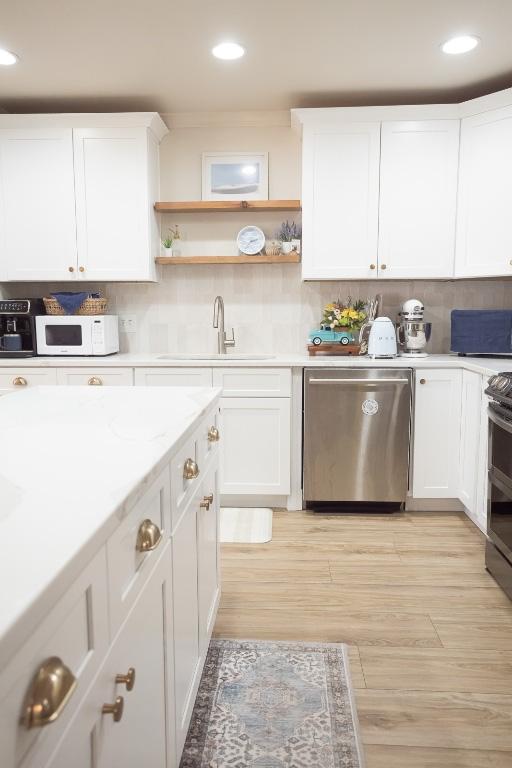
x: 327, y: 335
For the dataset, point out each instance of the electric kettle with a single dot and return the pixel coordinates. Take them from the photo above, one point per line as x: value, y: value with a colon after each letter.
x: 382, y: 339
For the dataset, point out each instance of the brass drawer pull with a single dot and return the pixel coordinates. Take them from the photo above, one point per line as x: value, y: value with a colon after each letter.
x: 48, y: 693
x: 423, y: 381
x: 383, y: 266
x: 95, y: 381
x: 81, y: 269
x: 19, y: 381
x: 373, y: 266
x: 71, y: 269
x: 128, y: 679
x: 149, y: 536
x: 190, y: 470
x: 213, y: 435
x: 115, y: 709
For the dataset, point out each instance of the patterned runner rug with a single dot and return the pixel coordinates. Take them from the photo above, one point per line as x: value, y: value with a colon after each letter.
x: 274, y: 705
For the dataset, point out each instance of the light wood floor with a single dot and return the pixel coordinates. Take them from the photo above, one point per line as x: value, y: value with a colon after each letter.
x: 430, y: 633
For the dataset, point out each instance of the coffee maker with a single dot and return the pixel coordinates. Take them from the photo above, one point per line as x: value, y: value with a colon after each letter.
x: 412, y: 332
x: 18, y: 326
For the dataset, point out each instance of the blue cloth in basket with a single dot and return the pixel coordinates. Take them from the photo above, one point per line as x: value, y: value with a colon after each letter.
x: 70, y: 301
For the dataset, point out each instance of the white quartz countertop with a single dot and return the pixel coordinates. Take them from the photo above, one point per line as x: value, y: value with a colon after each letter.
x: 483, y: 365
x: 73, y: 460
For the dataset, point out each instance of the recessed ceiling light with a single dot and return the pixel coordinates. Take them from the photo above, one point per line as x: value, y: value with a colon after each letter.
x: 228, y: 51
x: 460, y: 44
x: 7, y: 59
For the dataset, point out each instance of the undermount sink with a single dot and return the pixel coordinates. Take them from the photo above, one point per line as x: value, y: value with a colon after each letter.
x: 213, y: 356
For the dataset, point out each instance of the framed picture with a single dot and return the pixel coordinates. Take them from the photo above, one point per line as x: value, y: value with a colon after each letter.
x: 235, y: 176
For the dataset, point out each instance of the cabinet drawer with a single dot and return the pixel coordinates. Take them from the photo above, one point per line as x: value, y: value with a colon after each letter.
x: 173, y: 377
x: 135, y: 546
x: 109, y: 377
x: 208, y: 437
x: 17, y: 378
x: 255, y: 382
x: 76, y: 631
x: 182, y: 487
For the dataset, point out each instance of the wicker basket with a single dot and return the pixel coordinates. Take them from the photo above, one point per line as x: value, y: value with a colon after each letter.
x: 88, y: 307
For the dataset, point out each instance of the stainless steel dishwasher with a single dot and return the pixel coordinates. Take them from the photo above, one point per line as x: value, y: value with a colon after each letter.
x: 356, y: 435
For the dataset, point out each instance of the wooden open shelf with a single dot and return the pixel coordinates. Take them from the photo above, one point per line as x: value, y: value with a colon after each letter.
x: 207, y: 206
x: 283, y: 258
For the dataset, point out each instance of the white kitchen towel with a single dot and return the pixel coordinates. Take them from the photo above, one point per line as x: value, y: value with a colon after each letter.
x: 245, y: 525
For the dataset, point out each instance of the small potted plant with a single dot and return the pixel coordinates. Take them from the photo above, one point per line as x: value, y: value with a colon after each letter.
x: 168, y: 241
x: 289, y: 236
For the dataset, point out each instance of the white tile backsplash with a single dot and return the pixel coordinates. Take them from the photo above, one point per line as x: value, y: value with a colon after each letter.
x: 269, y: 306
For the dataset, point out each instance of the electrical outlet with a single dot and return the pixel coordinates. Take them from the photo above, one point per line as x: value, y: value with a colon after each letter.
x: 128, y: 323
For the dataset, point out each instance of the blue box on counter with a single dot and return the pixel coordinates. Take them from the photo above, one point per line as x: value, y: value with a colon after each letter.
x: 481, y: 331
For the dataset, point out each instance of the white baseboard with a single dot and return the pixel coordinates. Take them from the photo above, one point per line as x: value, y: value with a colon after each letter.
x: 433, y: 505
x: 232, y: 500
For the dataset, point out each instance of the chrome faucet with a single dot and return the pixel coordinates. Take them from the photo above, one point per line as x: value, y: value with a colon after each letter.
x: 218, y: 322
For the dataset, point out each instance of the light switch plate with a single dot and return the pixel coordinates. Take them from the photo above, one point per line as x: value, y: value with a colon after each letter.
x: 128, y: 323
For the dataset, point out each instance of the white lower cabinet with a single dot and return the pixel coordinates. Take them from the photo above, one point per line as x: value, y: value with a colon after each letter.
x: 94, y: 739
x: 471, y: 398
x: 480, y: 517
x: 208, y: 556
x: 173, y: 377
x: 110, y: 377
x: 134, y: 630
x: 436, y: 433
x: 16, y: 378
x: 255, y: 431
x: 185, y: 612
x: 255, y: 455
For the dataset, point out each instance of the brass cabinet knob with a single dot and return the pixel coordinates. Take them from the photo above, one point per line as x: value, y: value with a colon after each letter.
x: 373, y: 266
x: 19, y: 381
x: 213, y: 435
x: 95, y: 381
x: 128, y: 679
x: 190, y: 469
x: 209, y: 498
x: 204, y: 504
x: 149, y: 537
x: 48, y: 693
x: 423, y: 381
x: 115, y: 709
x: 71, y: 269
x: 383, y: 266
x: 81, y: 269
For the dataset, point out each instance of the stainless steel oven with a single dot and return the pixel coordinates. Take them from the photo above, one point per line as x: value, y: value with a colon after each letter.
x: 498, y: 554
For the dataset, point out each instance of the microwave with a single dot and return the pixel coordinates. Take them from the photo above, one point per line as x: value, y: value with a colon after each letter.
x: 77, y: 334
x: 481, y: 331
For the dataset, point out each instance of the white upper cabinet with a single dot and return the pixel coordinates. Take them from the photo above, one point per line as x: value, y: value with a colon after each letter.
x: 77, y: 195
x: 340, y: 199
x: 37, y: 204
x: 484, y: 234
x: 418, y: 198
x: 115, y: 192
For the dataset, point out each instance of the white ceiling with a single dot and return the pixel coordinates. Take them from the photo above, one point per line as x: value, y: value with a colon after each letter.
x: 78, y: 55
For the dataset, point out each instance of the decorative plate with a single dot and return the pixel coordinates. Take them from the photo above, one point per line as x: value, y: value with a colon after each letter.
x: 251, y: 240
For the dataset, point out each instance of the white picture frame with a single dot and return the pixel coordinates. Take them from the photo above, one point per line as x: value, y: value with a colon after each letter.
x: 234, y: 176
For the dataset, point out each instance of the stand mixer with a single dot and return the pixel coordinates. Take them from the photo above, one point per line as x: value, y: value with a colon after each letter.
x: 412, y: 332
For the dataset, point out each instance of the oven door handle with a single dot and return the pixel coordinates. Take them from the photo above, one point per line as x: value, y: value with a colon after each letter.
x: 496, y: 419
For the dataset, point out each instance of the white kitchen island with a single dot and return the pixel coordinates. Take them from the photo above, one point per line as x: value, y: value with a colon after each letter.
x: 109, y: 571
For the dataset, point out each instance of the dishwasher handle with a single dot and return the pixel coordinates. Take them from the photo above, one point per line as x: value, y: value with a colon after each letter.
x: 359, y: 381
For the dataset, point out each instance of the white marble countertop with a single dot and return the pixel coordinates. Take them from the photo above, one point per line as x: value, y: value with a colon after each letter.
x: 73, y: 460
x: 483, y: 365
